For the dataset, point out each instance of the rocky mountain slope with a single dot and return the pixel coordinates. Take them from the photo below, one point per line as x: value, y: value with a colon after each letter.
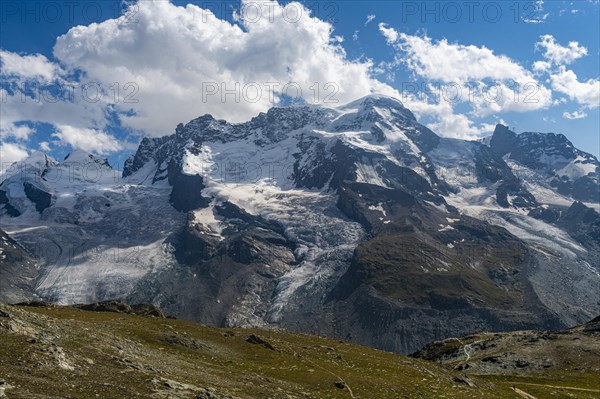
x: 354, y: 222
x: 18, y: 271
x: 530, y: 358
x: 49, y: 352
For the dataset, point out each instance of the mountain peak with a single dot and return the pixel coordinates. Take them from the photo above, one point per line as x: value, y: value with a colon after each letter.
x: 371, y: 100
x: 503, y: 140
x: 37, y: 162
x: 37, y: 158
x: 84, y: 157
x: 503, y: 129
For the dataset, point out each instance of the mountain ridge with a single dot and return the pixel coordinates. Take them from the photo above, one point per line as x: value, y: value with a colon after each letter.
x: 312, y: 218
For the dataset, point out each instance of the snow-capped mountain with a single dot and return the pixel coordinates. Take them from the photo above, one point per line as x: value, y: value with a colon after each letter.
x: 552, y: 159
x: 355, y: 222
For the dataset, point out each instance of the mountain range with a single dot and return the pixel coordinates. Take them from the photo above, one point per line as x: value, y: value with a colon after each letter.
x: 354, y: 222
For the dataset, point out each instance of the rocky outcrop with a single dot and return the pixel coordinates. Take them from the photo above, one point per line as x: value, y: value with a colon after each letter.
x: 118, y: 306
x: 582, y: 223
x: 144, y: 154
x: 39, y: 197
x: 186, y: 194
x: 238, y: 268
x: 503, y: 141
x: 520, y: 352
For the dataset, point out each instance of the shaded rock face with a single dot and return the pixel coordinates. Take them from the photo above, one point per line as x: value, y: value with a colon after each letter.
x: 200, y: 244
x: 237, y: 269
x: 197, y: 243
x: 143, y: 155
x: 586, y: 188
x: 490, y: 166
x: 10, y: 209
x: 187, y: 192
x: 503, y: 141
x: 340, y: 166
x: 404, y: 329
x: 18, y: 271
x: 40, y: 198
x: 583, y: 224
x: 166, y: 154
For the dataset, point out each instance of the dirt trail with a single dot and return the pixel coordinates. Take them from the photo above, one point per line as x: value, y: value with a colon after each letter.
x: 559, y: 387
x: 523, y: 393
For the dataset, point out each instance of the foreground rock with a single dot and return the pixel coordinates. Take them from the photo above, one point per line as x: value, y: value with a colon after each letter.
x: 536, y: 356
x: 118, y: 306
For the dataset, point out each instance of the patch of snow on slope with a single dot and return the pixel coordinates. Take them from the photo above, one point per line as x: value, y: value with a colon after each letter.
x: 200, y: 164
x: 577, y: 168
x: 454, y: 161
x: 445, y: 228
x: 366, y: 173
x: 534, y: 183
x: 206, y: 217
x: 534, y: 231
x: 379, y: 208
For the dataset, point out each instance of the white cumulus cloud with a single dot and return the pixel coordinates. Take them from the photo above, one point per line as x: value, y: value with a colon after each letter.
x: 541, y: 66
x: 21, y: 132
x: 452, y: 62
x: 560, y: 55
x: 488, y: 82
x: 574, y: 115
x: 44, y: 146
x: 34, y: 66
x: 11, y: 152
x: 445, y: 120
x: 584, y: 93
x: 184, y: 60
x: 390, y: 34
x: 89, y: 140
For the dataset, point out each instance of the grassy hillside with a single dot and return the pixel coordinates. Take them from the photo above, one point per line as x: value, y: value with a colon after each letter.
x: 545, y: 364
x: 65, y: 352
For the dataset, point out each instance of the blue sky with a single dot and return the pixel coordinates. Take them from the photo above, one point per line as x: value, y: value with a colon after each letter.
x: 165, y: 57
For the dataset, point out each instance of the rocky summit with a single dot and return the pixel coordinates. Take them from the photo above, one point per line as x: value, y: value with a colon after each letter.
x: 353, y: 222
